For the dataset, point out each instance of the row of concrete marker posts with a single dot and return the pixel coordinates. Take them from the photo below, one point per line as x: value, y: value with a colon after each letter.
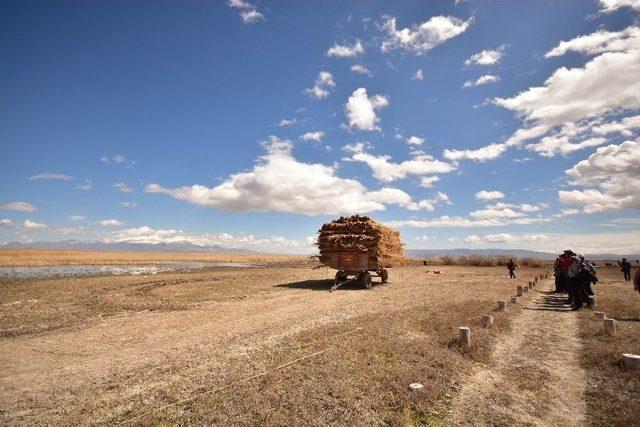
x: 631, y: 361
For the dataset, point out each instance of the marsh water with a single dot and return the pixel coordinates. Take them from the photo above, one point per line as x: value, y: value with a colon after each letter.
x: 114, y: 269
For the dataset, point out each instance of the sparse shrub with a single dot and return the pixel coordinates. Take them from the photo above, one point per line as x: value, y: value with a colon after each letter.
x: 530, y: 262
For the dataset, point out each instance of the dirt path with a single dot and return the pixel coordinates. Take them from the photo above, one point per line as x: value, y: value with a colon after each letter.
x: 534, y: 377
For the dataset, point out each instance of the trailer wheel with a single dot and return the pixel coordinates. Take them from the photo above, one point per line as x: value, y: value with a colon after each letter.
x: 384, y: 275
x: 341, y: 276
x: 365, y: 279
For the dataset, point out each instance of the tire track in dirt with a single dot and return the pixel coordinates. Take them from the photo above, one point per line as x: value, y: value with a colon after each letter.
x: 534, y: 377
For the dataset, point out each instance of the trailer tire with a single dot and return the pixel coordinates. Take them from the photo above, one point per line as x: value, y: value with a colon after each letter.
x: 384, y: 275
x: 365, y: 279
x: 341, y: 276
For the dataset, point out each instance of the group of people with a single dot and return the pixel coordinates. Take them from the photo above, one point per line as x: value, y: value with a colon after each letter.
x: 575, y: 275
x: 625, y: 267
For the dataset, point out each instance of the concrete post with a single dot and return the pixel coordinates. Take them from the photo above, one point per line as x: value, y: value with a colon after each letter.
x: 520, y: 290
x: 514, y: 300
x: 502, y: 305
x: 599, y: 314
x: 465, y: 337
x: 631, y: 361
x: 487, y: 320
x: 610, y: 326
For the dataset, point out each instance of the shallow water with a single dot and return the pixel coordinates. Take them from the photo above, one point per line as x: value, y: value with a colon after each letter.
x: 108, y: 270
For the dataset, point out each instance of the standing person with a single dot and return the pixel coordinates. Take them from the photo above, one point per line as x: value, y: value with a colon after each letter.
x: 564, y: 266
x: 576, y: 293
x: 625, y: 267
x: 587, y: 276
x: 557, y: 273
x: 512, y: 268
x: 636, y: 280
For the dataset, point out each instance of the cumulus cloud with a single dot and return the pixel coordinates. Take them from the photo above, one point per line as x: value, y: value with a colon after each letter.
x: 489, y: 195
x: 571, y: 97
x: 482, y: 80
x: 248, y: 12
x: 411, y: 140
x: 312, y: 136
x: 610, y: 179
x: 486, y: 57
x: 111, y: 223
x: 6, y: 222
x: 361, y: 109
x: 599, y: 42
x: 428, y: 181
x: 361, y: 69
x: 279, y: 182
x: 489, y: 213
x: 33, y: 225
x: 346, y: 51
x: 51, y: 176
x: 608, y: 6
x: 472, y: 239
x: 418, y: 39
x: 122, y: 187
x: 323, y: 86
x: 150, y: 235
x: 18, y: 207
x: 386, y: 171
x: 625, y: 127
x: 419, y: 75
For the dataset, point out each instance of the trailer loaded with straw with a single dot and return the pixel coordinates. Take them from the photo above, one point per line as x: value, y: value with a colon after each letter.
x: 359, y: 247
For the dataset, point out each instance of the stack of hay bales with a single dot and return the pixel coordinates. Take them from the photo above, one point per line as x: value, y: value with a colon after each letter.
x: 361, y: 234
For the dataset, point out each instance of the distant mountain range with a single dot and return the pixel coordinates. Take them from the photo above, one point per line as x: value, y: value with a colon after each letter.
x: 519, y: 253
x: 96, y: 245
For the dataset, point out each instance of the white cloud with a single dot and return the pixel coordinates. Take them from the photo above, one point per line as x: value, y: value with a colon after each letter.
x: 317, y: 190
x: 446, y: 221
x: 6, y: 222
x: 18, y: 206
x: 149, y: 235
x: 346, y: 51
x: 116, y: 158
x: 312, y: 136
x: 489, y: 195
x: 386, y: 171
x: 111, y: 223
x: 486, y: 57
x: 248, y: 12
x: 33, y: 225
x: 361, y: 109
x: 419, y: 75
x: 428, y: 181
x: 551, y: 145
x: 482, y: 80
x: 625, y: 127
x: 86, y: 185
x: 489, y: 213
x: 571, y: 95
x: 361, y: 69
x: 122, y: 187
x: 599, y: 42
x: 411, y: 140
x: 51, y: 176
x: 472, y: 239
x: 608, y: 6
x: 129, y: 205
x: 287, y: 122
x: 77, y: 217
x: 610, y: 177
x: 323, y: 86
x: 420, y: 38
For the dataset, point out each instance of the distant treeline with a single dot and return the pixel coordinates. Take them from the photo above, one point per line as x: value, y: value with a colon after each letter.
x: 485, y: 261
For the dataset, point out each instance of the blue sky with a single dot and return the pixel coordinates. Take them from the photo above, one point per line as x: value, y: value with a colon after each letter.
x: 249, y: 124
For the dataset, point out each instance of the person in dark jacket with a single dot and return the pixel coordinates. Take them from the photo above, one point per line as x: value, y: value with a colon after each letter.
x: 625, y: 267
x: 512, y: 268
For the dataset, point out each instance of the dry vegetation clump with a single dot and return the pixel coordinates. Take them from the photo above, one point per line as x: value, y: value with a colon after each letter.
x: 612, y: 395
x: 530, y: 262
x: 361, y: 234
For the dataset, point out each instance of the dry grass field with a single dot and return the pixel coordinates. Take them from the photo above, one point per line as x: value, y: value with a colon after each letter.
x: 47, y: 257
x: 271, y: 346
